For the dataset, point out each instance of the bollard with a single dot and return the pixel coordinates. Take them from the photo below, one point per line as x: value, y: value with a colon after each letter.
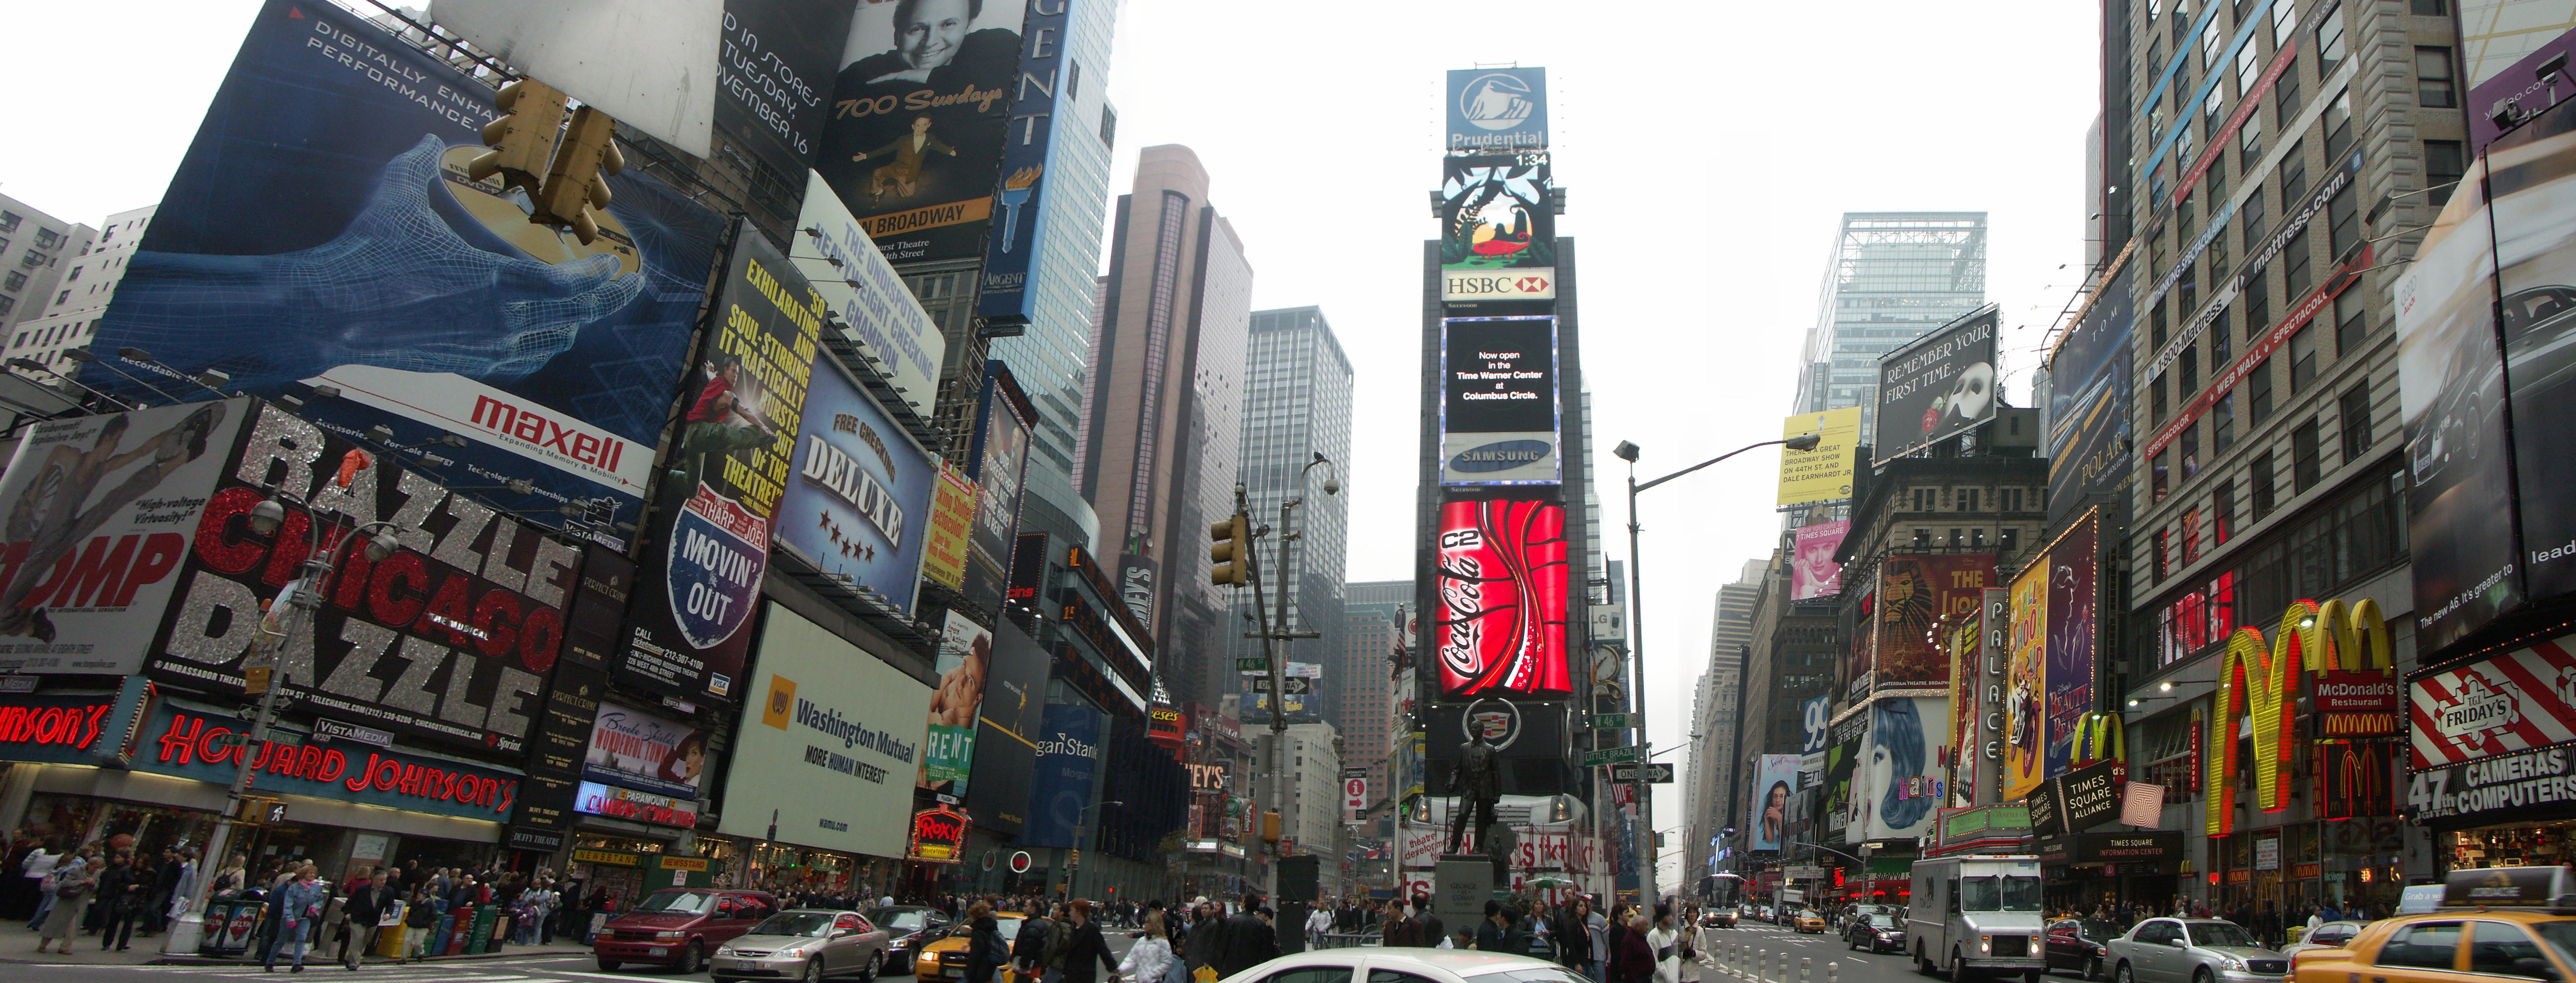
x: 1784, y: 966
x: 1832, y: 973
x: 1805, y: 965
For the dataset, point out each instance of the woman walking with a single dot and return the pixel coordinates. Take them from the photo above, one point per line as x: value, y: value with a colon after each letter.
x: 1151, y: 959
x: 73, y: 883
x: 985, y: 950
x: 300, y: 905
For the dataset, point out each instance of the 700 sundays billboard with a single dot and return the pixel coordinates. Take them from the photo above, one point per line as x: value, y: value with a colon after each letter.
x: 322, y: 229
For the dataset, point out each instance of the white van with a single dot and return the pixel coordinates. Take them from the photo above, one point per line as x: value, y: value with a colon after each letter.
x: 1972, y: 914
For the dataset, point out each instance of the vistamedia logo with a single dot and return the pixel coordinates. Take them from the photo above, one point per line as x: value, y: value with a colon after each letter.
x: 782, y: 702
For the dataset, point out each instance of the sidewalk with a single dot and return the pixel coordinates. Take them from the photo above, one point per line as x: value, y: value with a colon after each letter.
x: 17, y: 946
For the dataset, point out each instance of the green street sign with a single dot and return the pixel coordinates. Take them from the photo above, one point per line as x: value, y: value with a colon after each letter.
x: 1609, y: 721
x: 1253, y: 664
x: 1614, y: 755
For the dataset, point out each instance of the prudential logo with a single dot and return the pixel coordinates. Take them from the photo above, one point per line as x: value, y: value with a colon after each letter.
x: 1496, y: 101
x: 1502, y: 456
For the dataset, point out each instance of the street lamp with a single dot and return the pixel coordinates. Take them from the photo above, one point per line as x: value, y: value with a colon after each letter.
x: 1082, y: 830
x: 1627, y: 451
x: 1280, y: 633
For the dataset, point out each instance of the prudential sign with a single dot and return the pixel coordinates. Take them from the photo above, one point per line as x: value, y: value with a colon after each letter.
x: 1496, y: 109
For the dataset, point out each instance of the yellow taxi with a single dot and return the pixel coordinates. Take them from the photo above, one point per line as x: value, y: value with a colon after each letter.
x: 2495, y: 925
x: 1809, y: 921
x: 945, y: 959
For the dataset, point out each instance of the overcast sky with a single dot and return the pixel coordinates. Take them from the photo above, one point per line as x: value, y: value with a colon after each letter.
x: 1708, y: 149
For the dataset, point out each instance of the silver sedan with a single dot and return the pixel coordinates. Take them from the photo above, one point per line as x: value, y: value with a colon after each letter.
x: 811, y: 945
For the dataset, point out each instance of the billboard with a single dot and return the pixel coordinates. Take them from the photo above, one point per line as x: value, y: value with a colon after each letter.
x: 2505, y: 48
x: 998, y: 462
x: 857, y: 495
x: 1915, y: 592
x: 1006, y: 731
x: 915, y: 137
x: 965, y: 662
x: 1812, y: 570
x: 877, y: 310
x: 828, y: 744
x: 100, y: 512
x: 1897, y: 782
x: 2513, y: 701
x: 725, y: 471
x: 2089, y: 400
x: 1773, y: 783
x: 1503, y: 584
x: 1068, y: 760
x: 774, y: 78
x: 2074, y: 632
x: 449, y: 639
x: 1825, y: 473
x: 1842, y: 752
x: 1499, y: 410
x: 1497, y: 228
x: 1937, y: 387
x: 2025, y: 684
x: 648, y: 751
x: 952, y: 519
x: 1493, y: 109
x: 1010, y: 250
x: 426, y: 299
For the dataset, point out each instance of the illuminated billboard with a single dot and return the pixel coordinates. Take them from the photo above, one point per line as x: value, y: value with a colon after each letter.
x: 1915, y: 592
x: 1937, y: 387
x: 1497, y: 228
x: 1503, y: 585
x: 1498, y: 401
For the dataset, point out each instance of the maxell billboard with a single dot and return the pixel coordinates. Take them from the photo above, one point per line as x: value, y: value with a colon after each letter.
x: 1499, y: 411
x: 1498, y: 228
x: 1937, y: 387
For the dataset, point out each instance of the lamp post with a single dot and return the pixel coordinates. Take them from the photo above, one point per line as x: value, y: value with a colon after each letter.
x: 1081, y: 830
x: 1627, y: 451
x: 1279, y: 662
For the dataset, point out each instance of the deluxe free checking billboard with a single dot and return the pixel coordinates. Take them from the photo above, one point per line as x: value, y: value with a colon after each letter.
x: 857, y: 504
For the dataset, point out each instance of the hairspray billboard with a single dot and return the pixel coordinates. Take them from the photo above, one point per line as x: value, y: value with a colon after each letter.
x: 1898, y: 781
x: 322, y: 231
x: 1812, y: 570
x: 1773, y: 784
x: 1503, y: 585
x: 2073, y: 633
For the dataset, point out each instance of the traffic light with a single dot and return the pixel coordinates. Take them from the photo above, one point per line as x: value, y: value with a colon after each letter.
x: 1231, y: 553
x: 1270, y: 826
x: 578, y: 180
x: 523, y: 137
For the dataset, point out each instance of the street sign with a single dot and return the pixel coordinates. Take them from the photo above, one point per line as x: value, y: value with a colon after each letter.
x: 1609, y: 721
x: 1803, y: 873
x: 1658, y: 773
x: 1253, y: 664
x: 1612, y: 755
x: 1297, y: 685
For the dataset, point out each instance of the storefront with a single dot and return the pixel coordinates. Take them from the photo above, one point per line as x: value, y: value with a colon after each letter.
x: 2081, y: 871
x: 2494, y: 782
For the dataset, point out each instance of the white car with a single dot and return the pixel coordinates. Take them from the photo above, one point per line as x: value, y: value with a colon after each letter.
x: 1367, y: 964
x: 2331, y: 935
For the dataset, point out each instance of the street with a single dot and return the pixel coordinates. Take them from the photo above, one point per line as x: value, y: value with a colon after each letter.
x: 546, y: 967
x: 1817, y: 958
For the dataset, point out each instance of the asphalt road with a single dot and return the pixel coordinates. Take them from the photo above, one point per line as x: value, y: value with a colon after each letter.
x: 1822, y: 958
x: 547, y: 968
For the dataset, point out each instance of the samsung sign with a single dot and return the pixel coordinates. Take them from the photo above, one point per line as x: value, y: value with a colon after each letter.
x: 1502, y: 456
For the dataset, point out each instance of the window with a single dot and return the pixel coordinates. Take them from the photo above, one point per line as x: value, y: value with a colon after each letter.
x: 2303, y: 358
x: 2156, y: 472
x: 2182, y: 154
x: 2504, y: 949
x: 2338, y: 124
x: 2443, y: 164
x: 2209, y: 45
x: 2187, y: 293
x: 1922, y: 538
x: 2190, y: 536
x: 2433, y: 83
x: 2249, y: 69
x: 2010, y: 538
x: 2012, y: 500
x: 2432, y: 8
x: 2284, y: 20
x: 2354, y: 410
x: 2210, y: 121
x: 61, y: 297
x: 1395, y: 976
x: 1954, y: 537
x: 48, y: 238
x: 2305, y: 469
x: 2156, y: 326
x: 2222, y: 424
x: 2217, y: 183
x: 2249, y: 138
x: 1977, y: 539
x: 1108, y: 126
x: 2294, y: 176
x: 2330, y: 48
x: 1967, y: 499
x: 76, y: 272
x: 2222, y: 342
x: 6, y: 303
x: 1312, y: 974
x: 14, y: 281
x: 2350, y: 324
x: 2181, y: 22
x: 2156, y: 404
x: 9, y: 221
x: 2258, y: 393
x: 2190, y: 445
x: 2294, y: 267
x: 2285, y: 92
x: 1073, y: 82
x: 1924, y: 498
x: 2187, y: 371
x: 2424, y: 945
x: 2222, y: 511
x: 2263, y: 478
x: 2258, y: 302
x: 2164, y: 553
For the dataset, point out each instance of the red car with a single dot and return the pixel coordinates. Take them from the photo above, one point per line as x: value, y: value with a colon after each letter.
x: 680, y: 927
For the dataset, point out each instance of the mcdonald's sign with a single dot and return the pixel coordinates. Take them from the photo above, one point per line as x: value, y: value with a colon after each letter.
x: 2258, y: 678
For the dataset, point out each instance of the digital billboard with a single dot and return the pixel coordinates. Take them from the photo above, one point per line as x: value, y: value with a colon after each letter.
x: 998, y: 462
x: 876, y: 309
x: 1499, y: 409
x: 829, y: 743
x: 1502, y: 583
x: 2089, y: 400
x: 449, y: 639
x: 914, y: 140
x: 1897, y: 783
x: 101, y: 510
x: 1006, y: 730
x: 2026, y: 685
x: 726, y: 470
x: 858, y: 493
x: 1825, y: 473
x: 1916, y: 591
x: 1498, y: 228
x: 1493, y: 109
x: 1937, y: 387
x: 965, y: 662
x: 426, y: 299
x: 1812, y: 570
x: 2074, y: 631
x: 1773, y: 783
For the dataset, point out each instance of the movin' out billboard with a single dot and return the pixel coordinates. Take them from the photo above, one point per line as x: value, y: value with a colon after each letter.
x: 1499, y: 410
x: 322, y: 230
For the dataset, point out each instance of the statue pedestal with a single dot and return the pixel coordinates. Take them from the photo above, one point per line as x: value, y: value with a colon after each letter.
x: 1461, y: 884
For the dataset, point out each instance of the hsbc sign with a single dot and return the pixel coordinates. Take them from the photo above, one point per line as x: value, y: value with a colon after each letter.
x: 1503, y: 284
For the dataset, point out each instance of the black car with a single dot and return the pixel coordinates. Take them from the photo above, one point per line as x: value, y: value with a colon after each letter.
x: 1876, y: 932
x: 908, y: 928
x: 2082, y: 945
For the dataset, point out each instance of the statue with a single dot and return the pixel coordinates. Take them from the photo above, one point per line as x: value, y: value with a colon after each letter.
x: 1477, y: 784
x: 1499, y: 842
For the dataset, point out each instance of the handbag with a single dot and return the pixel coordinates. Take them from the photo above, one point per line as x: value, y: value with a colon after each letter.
x: 1174, y: 971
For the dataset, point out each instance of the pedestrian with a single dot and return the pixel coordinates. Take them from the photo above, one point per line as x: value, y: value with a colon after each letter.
x: 986, y: 953
x: 420, y: 917
x: 1247, y: 940
x: 1667, y: 944
x: 300, y: 904
x: 1433, y: 932
x: 1635, y: 962
x: 1029, y: 950
x: 38, y: 864
x: 123, y: 893
x: 1596, y: 927
x: 1401, y: 931
x: 69, y: 891
x: 1199, y: 949
x: 358, y: 917
x: 1083, y: 945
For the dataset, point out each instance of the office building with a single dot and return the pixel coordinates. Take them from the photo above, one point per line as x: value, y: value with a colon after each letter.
x: 1373, y: 724
x: 34, y: 248
x: 89, y: 278
x: 1892, y: 277
x: 1710, y: 781
x: 1297, y: 404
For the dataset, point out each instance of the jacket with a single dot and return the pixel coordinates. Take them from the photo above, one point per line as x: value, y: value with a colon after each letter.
x: 1147, y: 961
x: 302, y: 901
x: 985, y: 951
x: 1082, y: 945
x: 1402, y: 931
x: 1247, y: 941
x: 1201, y: 945
x: 121, y: 888
x: 1634, y: 959
x: 1031, y: 946
x: 1573, y: 939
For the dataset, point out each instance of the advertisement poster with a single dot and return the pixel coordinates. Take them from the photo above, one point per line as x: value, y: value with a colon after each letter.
x: 1915, y: 591
x: 2516, y: 701
x: 830, y: 740
x: 1825, y: 473
x: 1898, y: 779
x: 1498, y: 403
x: 877, y: 310
x: 860, y: 490
x: 999, y: 464
x: 427, y: 299
x: 1938, y: 387
x: 644, y: 750
x: 952, y: 519
x: 1966, y: 638
x: 915, y: 136
x: 1861, y: 649
x: 450, y: 639
x: 2025, y: 685
x: 727, y: 468
x: 1812, y: 570
x: 1498, y: 228
x: 2074, y: 632
x: 1493, y: 109
x: 774, y: 77
x: 1068, y: 759
x: 1006, y: 731
x: 1842, y: 755
x: 1502, y: 584
x: 2535, y: 225
x: 965, y: 661
x: 1006, y: 303
x: 100, y: 512
x: 2089, y: 400
x: 1773, y: 783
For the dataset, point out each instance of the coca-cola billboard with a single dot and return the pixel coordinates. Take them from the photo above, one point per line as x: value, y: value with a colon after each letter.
x: 1502, y: 585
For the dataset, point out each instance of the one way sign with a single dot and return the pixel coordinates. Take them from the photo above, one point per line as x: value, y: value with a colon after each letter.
x: 1297, y: 685
x: 1658, y: 773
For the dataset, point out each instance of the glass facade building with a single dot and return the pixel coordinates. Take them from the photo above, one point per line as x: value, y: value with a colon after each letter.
x: 1297, y: 403
x: 1893, y: 276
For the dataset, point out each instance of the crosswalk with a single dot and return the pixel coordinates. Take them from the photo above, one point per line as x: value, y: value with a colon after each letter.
x: 546, y: 970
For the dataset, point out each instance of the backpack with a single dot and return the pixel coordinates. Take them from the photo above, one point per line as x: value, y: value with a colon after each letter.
x: 1058, y: 939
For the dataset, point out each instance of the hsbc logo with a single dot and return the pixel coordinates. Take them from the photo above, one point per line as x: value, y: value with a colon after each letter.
x: 1523, y: 284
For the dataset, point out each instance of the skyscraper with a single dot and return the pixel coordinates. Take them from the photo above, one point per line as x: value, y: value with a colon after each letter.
x: 1161, y: 421
x: 1297, y: 404
x: 1892, y: 277
x: 1713, y: 716
x: 1372, y: 620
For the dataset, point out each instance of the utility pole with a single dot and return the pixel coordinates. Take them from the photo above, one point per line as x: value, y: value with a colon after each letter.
x: 1274, y: 634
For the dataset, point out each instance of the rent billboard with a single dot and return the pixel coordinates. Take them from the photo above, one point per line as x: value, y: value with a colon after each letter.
x: 1005, y: 301
x: 1499, y: 410
x: 1937, y: 387
x: 1503, y: 586
x: 1006, y: 730
x: 965, y: 662
x: 1068, y: 759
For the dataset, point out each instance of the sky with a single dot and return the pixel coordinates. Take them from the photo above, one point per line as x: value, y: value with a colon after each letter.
x: 1707, y: 149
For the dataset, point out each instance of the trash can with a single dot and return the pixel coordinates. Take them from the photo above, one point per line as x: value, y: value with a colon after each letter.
x: 478, y: 938
x: 390, y: 930
x: 231, y: 926
x: 458, y: 931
